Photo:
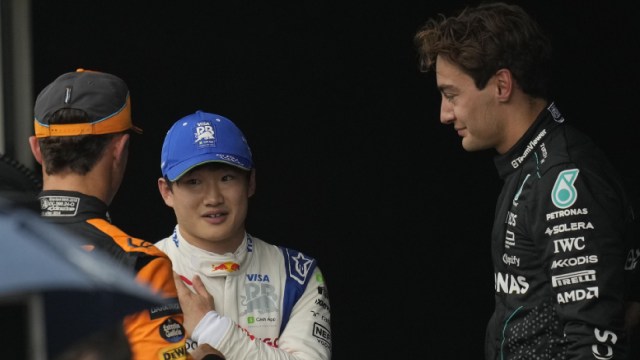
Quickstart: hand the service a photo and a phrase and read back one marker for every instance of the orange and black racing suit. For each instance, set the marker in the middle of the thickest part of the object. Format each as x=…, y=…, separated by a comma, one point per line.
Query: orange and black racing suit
x=155, y=333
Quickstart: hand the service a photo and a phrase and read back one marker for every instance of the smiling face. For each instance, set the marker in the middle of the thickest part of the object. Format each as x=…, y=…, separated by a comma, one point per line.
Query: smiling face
x=473, y=113
x=211, y=203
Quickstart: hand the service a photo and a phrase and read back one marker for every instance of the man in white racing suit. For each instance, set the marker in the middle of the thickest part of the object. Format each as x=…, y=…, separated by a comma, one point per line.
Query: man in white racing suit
x=270, y=302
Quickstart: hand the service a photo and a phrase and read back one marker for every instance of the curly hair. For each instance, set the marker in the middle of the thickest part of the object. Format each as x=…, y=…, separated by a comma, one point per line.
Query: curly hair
x=484, y=39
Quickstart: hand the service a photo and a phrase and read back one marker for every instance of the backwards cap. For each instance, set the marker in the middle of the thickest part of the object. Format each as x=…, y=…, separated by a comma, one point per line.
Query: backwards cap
x=202, y=138
x=104, y=97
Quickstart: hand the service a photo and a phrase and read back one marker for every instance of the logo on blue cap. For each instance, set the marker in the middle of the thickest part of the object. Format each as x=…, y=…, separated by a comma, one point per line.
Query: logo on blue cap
x=202, y=138
x=205, y=134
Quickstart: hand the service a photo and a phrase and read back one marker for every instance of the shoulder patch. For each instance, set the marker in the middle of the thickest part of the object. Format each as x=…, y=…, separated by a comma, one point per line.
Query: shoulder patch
x=299, y=268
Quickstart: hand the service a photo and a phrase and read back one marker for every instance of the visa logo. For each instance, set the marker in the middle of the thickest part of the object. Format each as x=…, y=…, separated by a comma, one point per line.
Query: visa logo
x=258, y=277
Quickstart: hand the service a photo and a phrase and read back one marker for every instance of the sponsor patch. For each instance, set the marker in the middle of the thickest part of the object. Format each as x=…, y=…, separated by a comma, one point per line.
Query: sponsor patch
x=204, y=134
x=173, y=353
x=573, y=278
x=322, y=290
x=564, y=194
x=322, y=334
x=575, y=261
x=511, y=260
x=566, y=212
x=171, y=330
x=558, y=229
x=510, y=284
x=59, y=205
x=259, y=298
x=578, y=295
x=169, y=309
x=324, y=316
x=299, y=266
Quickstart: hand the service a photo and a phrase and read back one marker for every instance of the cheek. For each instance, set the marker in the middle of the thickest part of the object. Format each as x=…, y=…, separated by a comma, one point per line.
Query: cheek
x=188, y=202
x=183, y=201
x=184, y=211
x=471, y=111
x=241, y=204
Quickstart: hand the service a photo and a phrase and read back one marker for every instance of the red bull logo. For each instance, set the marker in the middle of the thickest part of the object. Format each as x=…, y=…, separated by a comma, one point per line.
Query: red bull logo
x=227, y=266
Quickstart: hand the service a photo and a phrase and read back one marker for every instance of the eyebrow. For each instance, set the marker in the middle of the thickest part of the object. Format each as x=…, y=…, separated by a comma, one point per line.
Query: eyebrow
x=444, y=87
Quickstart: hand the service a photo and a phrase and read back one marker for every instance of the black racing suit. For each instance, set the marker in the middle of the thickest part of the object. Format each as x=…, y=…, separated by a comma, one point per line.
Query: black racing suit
x=559, y=247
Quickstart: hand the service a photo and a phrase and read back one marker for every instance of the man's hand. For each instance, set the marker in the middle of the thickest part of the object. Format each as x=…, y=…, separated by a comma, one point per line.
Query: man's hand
x=194, y=305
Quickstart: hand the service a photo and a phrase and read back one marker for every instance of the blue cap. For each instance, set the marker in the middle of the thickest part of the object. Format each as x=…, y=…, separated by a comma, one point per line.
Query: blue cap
x=202, y=138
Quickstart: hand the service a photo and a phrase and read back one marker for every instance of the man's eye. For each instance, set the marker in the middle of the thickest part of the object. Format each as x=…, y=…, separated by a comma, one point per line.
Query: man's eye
x=228, y=178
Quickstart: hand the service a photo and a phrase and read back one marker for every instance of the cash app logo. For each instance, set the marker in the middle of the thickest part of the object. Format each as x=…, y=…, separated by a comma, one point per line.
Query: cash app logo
x=564, y=194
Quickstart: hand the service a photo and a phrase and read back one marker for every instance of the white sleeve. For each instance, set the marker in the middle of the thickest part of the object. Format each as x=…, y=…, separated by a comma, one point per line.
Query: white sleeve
x=211, y=329
x=308, y=331
x=307, y=335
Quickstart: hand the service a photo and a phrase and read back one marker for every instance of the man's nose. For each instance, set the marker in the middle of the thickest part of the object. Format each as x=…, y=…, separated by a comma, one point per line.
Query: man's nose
x=446, y=112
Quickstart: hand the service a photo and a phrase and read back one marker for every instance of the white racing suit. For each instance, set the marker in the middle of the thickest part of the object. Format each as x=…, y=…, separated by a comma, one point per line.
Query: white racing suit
x=271, y=302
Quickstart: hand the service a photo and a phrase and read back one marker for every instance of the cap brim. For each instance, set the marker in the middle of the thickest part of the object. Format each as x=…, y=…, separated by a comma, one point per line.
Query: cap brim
x=179, y=170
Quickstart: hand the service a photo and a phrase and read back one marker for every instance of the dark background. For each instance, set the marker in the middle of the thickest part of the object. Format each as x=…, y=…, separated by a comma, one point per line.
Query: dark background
x=353, y=166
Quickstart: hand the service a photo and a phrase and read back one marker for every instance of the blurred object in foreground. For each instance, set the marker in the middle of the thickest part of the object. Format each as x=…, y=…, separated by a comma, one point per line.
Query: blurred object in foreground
x=53, y=293
x=19, y=184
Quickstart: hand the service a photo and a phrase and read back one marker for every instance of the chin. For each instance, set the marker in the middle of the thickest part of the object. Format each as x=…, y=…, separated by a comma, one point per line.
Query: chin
x=471, y=146
x=468, y=146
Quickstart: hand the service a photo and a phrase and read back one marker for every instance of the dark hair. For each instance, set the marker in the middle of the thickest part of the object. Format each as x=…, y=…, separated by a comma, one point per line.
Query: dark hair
x=76, y=153
x=484, y=39
x=212, y=166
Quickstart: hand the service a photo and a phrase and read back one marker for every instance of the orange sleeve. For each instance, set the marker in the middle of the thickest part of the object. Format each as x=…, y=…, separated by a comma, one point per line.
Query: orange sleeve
x=157, y=333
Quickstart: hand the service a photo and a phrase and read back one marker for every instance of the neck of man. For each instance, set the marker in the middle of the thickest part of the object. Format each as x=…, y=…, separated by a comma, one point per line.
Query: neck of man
x=98, y=182
x=520, y=115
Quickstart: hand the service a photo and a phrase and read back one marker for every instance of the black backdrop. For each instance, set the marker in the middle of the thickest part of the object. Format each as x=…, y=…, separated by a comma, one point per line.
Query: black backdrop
x=353, y=166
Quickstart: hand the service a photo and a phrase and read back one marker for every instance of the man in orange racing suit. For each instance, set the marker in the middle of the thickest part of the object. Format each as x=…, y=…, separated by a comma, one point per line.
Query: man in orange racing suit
x=82, y=132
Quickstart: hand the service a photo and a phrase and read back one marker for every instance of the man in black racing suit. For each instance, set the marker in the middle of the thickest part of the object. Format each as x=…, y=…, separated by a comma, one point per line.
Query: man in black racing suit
x=561, y=239
x=559, y=246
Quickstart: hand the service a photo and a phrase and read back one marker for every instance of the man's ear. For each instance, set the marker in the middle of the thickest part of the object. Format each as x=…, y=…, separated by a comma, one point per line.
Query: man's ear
x=35, y=149
x=504, y=84
x=121, y=147
x=252, y=182
x=165, y=191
